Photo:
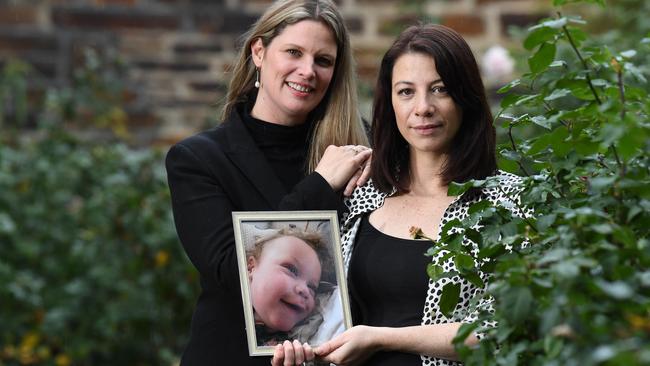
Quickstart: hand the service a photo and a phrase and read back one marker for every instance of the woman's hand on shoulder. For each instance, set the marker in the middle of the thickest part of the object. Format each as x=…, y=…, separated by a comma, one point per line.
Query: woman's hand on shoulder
x=351, y=347
x=345, y=167
x=291, y=353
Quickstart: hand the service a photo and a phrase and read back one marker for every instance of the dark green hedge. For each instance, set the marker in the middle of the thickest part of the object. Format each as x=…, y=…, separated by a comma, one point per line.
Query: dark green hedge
x=90, y=264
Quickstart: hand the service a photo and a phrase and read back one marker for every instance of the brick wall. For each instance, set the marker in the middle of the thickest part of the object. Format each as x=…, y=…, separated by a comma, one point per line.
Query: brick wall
x=177, y=51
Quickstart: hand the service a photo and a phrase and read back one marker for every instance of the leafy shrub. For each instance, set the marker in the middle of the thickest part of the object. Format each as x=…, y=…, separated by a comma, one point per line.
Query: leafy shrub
x=90, y=265
x=570, y=284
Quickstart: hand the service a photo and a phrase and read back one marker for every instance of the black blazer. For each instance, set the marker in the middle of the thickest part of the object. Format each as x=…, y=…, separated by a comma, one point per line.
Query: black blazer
x=210, y=175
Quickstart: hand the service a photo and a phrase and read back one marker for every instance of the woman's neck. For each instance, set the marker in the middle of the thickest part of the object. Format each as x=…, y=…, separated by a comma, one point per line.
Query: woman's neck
x=426, y=174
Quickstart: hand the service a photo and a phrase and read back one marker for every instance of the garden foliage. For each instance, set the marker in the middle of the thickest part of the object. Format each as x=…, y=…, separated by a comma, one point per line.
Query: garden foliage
x=569, y=284
x=91, y=272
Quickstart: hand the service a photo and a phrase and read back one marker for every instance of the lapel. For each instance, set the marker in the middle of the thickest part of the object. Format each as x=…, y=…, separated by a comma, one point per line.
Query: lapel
x=247, y=157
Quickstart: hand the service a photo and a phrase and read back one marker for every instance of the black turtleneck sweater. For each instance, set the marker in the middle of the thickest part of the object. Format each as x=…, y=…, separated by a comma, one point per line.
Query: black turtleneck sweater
x=285, y=147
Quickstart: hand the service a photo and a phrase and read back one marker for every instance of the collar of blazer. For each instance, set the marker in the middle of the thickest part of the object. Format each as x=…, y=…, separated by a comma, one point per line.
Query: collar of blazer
x=240, y=148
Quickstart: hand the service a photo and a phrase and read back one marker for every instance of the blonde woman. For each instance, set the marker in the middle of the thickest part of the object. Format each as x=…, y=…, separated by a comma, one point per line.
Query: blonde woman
x=291, y=139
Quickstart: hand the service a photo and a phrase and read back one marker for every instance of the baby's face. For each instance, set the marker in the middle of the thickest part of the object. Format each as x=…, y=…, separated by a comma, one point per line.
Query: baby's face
x=283, y=282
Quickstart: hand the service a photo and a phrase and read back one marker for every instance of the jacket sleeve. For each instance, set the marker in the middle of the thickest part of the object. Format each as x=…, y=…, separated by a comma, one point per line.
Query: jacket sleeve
x=202, y=214
x=313, y=193
x=203, y=209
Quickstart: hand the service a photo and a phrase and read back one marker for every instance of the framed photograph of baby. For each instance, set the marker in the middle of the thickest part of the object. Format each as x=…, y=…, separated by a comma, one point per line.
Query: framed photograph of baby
x=292, y=280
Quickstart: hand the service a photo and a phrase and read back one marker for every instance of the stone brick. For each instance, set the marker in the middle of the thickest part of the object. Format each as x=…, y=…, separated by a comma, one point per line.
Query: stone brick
x=368, y=59
x=171, y=66
x=237, y=22
x=141, y=119
x=208, y=86
x=354, y=24
x=208, y=2
x=464, y=24
x=367, y=71
x=135, y=44
x=113, y=18
x=17, y=14
x=43, y=66
x=519, y=20
x=81, y=46
x=372, y=2
x=19, y=41
x=196, y=48
x=393, y=26
x=115, y=2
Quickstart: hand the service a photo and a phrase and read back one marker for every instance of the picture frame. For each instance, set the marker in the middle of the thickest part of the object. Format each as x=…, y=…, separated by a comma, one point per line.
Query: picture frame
x=292, y=279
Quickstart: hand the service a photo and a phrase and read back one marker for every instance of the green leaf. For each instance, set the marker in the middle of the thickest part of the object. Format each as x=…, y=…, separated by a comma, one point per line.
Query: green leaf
x=539, y=144
x=558, y=63
x=541, y=121
x=7, y=225
x=544, y=222
x=577, y=35
x=518, y=301
x=478, y=206
x=454, y=242
x=445, y=234
x=464, y=331
x=435, y=271
x=538, y=36
x=631, y=143
x=617, y=289
x=509, y=228
x=457, y=189
x=629, y=53
x=557, y=140
x=554, y=23
x=552, y=346
x=557, y=94
x=474, y=236
x=509, y=86
x=599, y=184
x=602, y=228
x=449, y=298
x=565, y=269
x=474, y=279
x=542, y=58
x=508, y=165
x=510, y=100
x=527, y=99
x=492, y=251
x=463, y=262
x=625, y=236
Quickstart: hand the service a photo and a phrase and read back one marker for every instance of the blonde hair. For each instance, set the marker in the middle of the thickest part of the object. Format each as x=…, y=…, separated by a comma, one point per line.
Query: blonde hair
x=336, y=118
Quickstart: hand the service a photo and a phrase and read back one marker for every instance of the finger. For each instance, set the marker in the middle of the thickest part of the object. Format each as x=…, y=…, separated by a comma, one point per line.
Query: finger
x=288, y=353
x=362, y=156
x=298, y=355
x=327, y=347
x=309, y=352
x=278, y=356
x=365, y=174
x=352, y=183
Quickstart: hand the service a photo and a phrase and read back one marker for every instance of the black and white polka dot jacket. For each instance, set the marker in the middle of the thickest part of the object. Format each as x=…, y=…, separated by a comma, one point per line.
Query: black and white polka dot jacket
x=367, y=198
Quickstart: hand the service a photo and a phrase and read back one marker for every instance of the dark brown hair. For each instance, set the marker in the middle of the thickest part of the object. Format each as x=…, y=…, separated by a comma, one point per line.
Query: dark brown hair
x=472, y=151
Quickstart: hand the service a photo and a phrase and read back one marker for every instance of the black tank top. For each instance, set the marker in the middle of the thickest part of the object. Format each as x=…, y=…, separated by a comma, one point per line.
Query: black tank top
x=388, y=285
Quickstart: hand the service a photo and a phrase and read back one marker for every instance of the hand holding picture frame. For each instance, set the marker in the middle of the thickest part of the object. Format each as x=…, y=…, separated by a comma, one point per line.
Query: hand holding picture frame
x=292, y=280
